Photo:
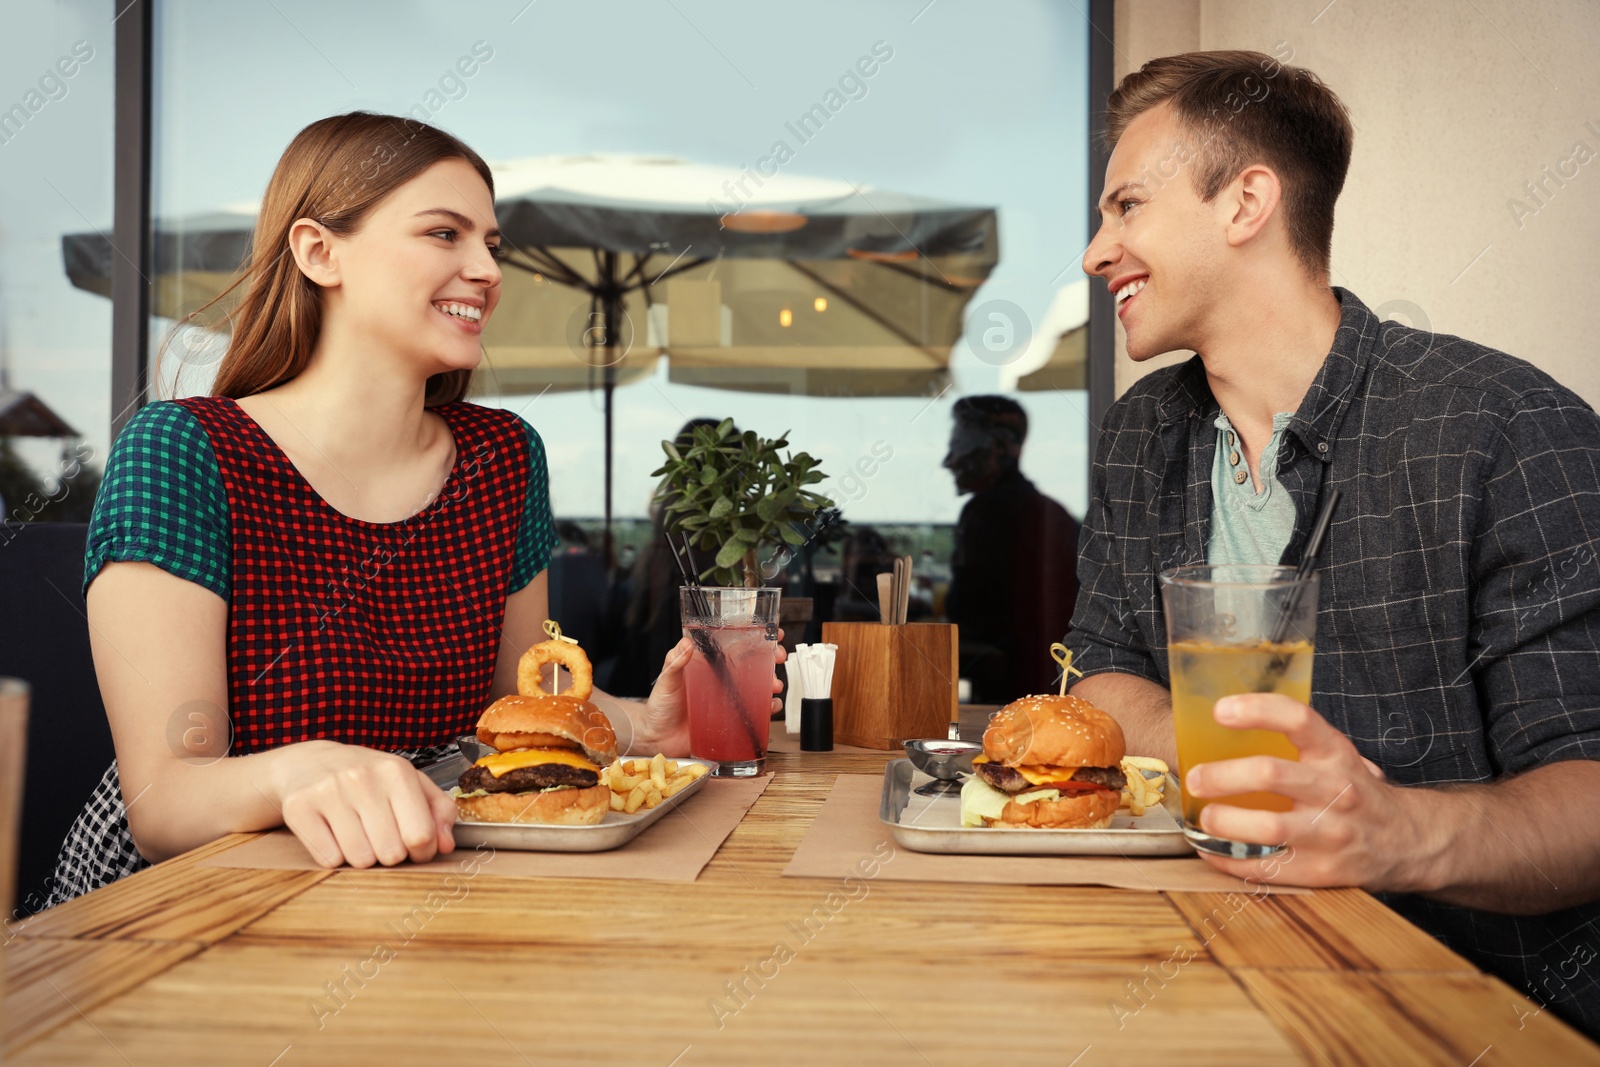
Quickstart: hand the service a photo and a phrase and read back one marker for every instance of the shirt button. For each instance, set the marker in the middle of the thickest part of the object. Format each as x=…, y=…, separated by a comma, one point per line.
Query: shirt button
x=1322, y=446
x=1238, y=477
x=1230, y=438
x=1233, y=458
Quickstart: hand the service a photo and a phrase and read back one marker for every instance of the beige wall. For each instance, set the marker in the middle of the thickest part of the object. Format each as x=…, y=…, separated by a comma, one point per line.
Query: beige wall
x=1456, y=107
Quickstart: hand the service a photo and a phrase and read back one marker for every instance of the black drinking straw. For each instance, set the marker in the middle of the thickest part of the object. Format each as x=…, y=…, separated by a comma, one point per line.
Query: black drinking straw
x=702, y=640
x=1308, y=566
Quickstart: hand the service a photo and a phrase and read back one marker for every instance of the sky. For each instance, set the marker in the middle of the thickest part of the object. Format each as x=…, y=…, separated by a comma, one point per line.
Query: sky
x=973, y=108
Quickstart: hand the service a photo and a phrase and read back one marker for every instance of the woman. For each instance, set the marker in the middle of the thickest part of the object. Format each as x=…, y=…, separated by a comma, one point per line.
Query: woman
x=328, y=569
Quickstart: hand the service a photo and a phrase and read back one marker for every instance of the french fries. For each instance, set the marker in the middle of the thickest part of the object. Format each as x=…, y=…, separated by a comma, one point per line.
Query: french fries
x=644, y=783
x=1140, y=792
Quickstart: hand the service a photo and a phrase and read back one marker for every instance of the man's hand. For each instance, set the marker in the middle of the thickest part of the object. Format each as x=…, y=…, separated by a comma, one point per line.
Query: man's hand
x=1348, y=826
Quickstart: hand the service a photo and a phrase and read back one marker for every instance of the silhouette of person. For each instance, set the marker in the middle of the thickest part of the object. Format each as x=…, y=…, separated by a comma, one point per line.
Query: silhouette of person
x=863, y=555
x=1013, y=572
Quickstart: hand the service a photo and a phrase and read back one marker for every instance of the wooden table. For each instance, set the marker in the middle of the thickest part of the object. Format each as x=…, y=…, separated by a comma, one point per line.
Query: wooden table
x=185, y=963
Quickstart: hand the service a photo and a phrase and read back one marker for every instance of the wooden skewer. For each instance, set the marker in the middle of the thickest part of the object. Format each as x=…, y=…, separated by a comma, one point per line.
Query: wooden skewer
x=905, y=590
x=894, y=595
x=552, y=630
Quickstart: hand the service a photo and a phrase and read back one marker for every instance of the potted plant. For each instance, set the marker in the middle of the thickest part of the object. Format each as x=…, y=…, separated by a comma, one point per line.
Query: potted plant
x=736, y=493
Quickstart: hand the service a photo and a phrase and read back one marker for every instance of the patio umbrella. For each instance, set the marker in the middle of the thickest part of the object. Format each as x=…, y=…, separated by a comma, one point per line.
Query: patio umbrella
x=1067, y=368
x=22, y=414
x=1057, y=356
x=743, y=280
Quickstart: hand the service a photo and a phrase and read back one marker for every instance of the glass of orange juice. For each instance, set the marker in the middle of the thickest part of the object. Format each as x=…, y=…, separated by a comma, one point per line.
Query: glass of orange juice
x=1234, y=628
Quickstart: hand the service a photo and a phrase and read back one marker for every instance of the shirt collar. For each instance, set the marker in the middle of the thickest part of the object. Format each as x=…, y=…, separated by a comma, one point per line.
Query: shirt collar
x=1187, y=394
x=1322, y=410
x=1335, y=386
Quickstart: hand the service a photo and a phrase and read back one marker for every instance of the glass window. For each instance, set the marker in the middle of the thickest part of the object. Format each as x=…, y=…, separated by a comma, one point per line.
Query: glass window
x=858, y=350
x=55, y=178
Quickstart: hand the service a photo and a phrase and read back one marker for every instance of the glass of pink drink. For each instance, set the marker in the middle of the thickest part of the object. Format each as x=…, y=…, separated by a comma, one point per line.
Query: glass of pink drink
x=729, y=678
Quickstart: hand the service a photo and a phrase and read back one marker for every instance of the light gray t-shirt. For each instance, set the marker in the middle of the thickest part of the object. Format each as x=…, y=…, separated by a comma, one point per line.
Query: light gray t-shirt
x=1247, y=526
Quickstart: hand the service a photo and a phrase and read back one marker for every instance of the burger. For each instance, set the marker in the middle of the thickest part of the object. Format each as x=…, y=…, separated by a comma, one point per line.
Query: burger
x=1050, y=762
x=546, y=764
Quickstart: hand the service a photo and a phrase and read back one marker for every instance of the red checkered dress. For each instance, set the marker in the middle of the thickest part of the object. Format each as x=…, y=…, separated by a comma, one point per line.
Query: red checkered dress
x=377, y=634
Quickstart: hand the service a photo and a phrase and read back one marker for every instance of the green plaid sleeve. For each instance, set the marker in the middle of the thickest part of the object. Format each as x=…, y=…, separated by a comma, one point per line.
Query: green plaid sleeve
x=162, y=501
x=537, y=537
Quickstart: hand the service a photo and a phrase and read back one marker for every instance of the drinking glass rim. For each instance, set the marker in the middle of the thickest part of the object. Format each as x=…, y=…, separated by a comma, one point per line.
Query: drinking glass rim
x=760, y=603
x=1234, y=576
x=736, y=589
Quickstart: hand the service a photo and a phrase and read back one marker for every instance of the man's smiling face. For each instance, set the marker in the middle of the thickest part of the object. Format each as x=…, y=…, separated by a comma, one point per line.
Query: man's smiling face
x=1160, y=248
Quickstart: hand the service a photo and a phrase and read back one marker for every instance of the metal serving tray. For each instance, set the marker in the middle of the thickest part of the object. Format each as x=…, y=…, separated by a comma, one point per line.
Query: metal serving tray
x=933, y=824
x=617, y=829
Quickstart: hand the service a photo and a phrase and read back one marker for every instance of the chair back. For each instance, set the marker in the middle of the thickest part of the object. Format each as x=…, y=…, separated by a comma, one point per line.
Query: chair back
x=44, y=639
x=13, y=755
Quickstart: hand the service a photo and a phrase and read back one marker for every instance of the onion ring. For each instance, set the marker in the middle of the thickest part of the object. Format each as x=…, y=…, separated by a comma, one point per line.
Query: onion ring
x=530, y=669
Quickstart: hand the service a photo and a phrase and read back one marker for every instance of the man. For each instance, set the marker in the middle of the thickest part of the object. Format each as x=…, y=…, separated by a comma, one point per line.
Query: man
x=1013, y=579
x=1458, y=644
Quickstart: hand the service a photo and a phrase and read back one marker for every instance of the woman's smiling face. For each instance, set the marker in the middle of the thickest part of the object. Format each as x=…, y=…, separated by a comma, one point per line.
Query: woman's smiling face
x=421, y=277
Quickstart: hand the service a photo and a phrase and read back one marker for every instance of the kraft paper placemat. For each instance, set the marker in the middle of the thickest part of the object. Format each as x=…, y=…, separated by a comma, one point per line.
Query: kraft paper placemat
x=847, y=828
x=675, y=849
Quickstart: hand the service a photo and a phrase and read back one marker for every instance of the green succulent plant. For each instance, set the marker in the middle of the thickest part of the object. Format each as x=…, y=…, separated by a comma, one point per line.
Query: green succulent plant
x=733, y=493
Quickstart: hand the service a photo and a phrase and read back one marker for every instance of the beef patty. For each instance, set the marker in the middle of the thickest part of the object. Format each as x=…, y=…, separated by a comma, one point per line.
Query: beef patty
x=1010, y=780
x=524, y=779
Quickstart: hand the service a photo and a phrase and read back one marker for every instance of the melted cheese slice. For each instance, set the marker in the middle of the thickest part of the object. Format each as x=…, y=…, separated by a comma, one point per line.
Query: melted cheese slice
x=1043, y=775
x=1035, y=774
x=503, y=763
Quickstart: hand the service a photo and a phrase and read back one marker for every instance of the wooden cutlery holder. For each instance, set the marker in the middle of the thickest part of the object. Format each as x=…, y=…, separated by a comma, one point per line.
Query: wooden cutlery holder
x=892, y=683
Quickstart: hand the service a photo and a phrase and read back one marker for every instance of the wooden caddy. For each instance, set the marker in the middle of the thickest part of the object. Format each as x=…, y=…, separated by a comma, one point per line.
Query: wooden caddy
x=892, y=683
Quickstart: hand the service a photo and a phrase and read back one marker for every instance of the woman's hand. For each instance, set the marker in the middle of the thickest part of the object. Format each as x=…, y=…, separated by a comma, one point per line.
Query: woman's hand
x=349, y=804
x=664, y=725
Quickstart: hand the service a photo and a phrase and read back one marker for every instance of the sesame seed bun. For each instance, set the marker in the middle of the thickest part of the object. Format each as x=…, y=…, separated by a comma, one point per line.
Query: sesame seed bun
x=555, y=807
x=1086, y=811
x=1054, y=731
x=515, y=721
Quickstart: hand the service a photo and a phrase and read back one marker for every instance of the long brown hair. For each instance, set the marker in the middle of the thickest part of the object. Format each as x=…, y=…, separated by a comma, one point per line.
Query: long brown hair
x=1247, y=107
x=334, y=171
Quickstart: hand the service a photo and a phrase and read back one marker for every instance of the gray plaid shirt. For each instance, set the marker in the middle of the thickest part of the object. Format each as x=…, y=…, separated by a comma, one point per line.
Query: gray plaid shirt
x=1458, y=630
